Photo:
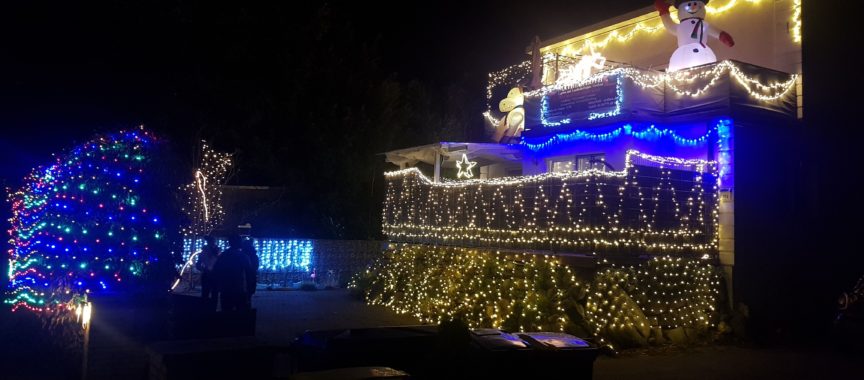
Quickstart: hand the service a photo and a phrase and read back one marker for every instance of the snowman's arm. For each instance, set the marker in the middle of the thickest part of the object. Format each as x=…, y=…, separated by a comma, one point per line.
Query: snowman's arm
x=671, y=26
x=663, y=9
x=712, y=31
x=715, y=33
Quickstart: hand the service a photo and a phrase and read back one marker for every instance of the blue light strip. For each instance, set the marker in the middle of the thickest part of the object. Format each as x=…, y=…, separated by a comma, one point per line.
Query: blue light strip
x=651, y=133
x=274, y=255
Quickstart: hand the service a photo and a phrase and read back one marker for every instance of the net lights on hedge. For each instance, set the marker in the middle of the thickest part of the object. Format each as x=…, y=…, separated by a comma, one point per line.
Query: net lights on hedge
x=665, y=292
x=517, y=292
x=524, y=292
x=82, y=224
x=594, y=210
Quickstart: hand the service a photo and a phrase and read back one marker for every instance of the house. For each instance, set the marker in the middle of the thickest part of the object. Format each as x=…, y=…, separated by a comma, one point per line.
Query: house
x=596, y=153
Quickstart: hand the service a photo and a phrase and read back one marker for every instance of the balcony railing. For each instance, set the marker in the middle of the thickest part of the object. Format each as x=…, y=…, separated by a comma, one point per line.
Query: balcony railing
x=640, y=210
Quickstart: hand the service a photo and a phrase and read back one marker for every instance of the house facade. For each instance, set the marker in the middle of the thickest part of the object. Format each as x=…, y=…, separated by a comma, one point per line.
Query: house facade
x=596, y=152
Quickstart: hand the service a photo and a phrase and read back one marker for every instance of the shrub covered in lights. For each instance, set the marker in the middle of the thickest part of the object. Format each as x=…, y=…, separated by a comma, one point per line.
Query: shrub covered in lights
x=632, y=305
x=88, y=222
x=484, y=289
x=621, y=307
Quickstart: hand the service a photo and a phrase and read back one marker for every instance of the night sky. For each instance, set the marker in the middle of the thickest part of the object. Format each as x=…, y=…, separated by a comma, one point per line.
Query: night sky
x=229, y=73
x=69, y=70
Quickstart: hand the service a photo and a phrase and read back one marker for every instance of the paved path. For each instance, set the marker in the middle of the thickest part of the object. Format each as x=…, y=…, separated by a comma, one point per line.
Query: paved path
x=724, y=362
x=284, y=314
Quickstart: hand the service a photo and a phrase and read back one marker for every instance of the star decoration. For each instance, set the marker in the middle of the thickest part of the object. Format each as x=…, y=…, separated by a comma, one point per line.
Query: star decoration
x=465, y=167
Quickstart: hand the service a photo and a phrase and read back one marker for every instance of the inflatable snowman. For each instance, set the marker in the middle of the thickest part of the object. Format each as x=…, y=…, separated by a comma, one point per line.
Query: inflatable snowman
x=692, y=32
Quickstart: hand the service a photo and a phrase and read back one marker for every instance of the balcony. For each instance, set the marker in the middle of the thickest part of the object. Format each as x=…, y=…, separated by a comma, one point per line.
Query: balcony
x=648, y=208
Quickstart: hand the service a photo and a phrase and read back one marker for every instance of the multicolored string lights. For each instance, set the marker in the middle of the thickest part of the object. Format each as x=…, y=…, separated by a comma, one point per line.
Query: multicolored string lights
x=84, y=223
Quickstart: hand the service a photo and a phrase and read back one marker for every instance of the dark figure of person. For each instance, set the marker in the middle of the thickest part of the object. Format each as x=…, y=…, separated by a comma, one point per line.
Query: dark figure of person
x=231, y=271
x=252, y=276
x=206, y=261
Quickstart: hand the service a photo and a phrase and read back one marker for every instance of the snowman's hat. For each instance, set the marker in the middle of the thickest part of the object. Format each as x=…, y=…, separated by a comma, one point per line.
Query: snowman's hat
x=679, y=2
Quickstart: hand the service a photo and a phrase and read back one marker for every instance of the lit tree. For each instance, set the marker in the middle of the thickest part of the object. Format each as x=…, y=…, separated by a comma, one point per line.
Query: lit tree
x=86, y=223
x=203, y=205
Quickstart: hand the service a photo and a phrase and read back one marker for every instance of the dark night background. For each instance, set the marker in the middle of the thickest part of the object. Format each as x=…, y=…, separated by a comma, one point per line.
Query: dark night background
x=307, y=94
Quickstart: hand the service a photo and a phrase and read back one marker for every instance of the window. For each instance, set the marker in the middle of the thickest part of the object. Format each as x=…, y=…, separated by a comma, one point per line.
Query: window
x=593, y=161
x=561, y=166
x=578, y=163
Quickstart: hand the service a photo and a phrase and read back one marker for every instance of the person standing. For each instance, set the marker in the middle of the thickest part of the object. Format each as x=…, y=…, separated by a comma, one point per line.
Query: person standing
x=252, y=276
x=232, y=269
x=206, y=261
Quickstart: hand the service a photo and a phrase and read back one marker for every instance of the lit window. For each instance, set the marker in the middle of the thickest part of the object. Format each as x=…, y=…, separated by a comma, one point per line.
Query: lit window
x=593, y=161
x=562, y=166
x=578, y=163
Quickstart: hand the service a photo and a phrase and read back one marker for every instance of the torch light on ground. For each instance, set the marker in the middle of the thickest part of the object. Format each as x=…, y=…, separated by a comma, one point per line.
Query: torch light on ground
x=84, y=312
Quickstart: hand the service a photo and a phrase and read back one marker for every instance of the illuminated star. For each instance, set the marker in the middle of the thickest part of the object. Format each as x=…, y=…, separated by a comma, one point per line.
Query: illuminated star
x=465, y=167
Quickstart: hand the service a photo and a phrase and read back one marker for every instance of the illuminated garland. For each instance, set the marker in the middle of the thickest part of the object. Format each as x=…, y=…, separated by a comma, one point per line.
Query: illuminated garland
x=83, y=223
x=611, y=215
x=203, y=205
x=676, y=80
x=680, y=82
x=650, y=133
x=796, y=21
x=525, y=292
x=507, y=76
x=649, y=26
x=664, y=292
x=485, y=289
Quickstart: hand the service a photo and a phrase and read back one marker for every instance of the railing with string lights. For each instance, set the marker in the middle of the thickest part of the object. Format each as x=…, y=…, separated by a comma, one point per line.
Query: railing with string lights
x=656, y=205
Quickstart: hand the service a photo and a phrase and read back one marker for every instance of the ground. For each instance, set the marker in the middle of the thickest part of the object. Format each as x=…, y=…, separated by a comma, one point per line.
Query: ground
x=725, y=362
x=284, y=314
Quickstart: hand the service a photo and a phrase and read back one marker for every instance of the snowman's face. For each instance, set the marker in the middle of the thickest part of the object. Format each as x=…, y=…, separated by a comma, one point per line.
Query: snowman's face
x=691, y=9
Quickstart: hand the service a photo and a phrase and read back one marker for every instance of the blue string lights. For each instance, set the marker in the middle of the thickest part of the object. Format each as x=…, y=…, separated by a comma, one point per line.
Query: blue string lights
x=275, y=255
x=82, y=224
x=651, y=133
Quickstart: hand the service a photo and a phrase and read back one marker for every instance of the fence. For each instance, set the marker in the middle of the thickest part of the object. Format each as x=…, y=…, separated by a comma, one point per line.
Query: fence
x=643, y=209
x=283, y=262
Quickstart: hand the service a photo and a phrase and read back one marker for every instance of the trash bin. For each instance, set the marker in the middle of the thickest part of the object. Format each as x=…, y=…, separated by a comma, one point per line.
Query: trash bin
x=558, y=354
x=403, y=348
x=531, y=355
x=353, y=373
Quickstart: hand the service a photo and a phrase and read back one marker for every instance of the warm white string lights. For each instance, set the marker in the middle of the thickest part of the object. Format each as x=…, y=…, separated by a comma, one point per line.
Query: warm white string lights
x=665, y=292
x=612, y=213
x=517, y=292
x=692, y=82
x=204, y=194
x=465, y=167
x=529, y=292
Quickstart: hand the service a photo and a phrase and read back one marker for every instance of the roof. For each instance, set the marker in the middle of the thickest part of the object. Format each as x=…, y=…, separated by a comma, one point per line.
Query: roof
x=452, y=151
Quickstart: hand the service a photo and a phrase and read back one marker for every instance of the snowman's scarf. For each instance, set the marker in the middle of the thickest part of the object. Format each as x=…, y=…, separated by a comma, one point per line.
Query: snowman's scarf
x=697, y=29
